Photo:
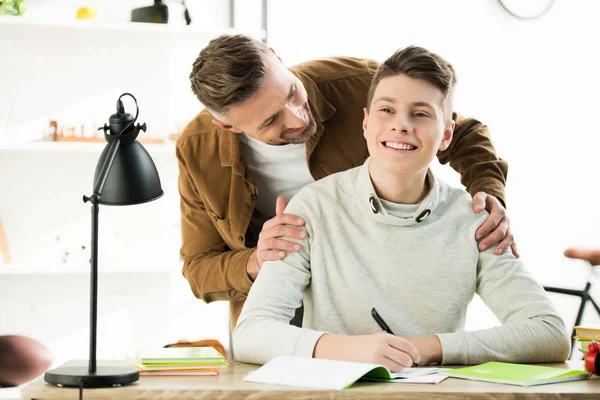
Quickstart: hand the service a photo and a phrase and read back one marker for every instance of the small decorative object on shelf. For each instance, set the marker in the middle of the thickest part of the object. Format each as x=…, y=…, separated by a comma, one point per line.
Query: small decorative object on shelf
x=12, y=7
x=87, y=12
x=83, y=134
x=4, y=251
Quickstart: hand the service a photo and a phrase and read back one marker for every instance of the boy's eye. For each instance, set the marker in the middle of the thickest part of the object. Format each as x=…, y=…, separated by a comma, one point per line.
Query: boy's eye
x=420, y=114
x=386, y=110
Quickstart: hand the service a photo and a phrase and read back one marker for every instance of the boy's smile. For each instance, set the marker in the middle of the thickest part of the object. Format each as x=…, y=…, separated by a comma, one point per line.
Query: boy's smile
x=399, y=146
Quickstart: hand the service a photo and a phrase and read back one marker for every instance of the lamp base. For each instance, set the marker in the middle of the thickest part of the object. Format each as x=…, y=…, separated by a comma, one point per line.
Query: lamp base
x=105, y=376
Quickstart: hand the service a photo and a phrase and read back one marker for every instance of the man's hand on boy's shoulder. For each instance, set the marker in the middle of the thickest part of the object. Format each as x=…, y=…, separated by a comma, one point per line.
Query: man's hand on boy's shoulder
x=496, y=228
x=271, y=240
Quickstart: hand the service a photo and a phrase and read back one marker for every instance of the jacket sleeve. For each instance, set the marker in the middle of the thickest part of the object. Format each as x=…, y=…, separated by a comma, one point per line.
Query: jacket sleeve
x=472, y=154
x=531, y=330
x=213, y=270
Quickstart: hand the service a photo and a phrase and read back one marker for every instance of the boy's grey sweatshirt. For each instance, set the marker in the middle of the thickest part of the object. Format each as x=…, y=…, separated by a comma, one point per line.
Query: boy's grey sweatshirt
x=419, y=265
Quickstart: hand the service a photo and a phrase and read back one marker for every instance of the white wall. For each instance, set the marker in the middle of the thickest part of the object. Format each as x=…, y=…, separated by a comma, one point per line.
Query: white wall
x=533, y=83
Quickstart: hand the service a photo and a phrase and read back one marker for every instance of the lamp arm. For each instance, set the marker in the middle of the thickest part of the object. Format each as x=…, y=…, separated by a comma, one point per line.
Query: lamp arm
x=113, y=147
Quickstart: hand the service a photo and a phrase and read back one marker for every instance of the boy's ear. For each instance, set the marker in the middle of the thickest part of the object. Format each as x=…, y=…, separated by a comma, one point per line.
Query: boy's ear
x=276, y=55
x=365, y=119
x=225, y=126
x=447, y=136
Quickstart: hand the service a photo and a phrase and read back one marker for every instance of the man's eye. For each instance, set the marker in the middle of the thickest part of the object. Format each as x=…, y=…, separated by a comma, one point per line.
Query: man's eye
x=386, y=110
x=420, y=115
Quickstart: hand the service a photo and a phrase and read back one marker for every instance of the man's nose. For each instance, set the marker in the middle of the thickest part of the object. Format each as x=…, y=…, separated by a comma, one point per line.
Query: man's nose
x=294, y=117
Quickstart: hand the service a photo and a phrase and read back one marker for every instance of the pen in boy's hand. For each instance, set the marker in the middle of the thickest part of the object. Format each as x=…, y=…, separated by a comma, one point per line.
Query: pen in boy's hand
x=384, y=326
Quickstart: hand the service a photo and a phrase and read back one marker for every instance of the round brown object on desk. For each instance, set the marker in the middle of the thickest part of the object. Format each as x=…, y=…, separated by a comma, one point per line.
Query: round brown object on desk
x=22, y=359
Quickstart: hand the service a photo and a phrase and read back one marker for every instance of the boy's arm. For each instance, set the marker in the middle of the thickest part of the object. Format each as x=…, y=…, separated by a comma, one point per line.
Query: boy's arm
x=263, y=331
x=472, y=154
x=531, y=329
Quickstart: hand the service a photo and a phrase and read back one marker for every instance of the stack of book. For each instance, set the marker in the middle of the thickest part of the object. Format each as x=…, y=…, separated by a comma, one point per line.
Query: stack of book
x=585, y=336
x=181, y=361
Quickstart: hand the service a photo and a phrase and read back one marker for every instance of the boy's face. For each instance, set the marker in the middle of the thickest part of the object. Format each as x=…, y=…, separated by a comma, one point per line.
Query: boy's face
x=405, y=125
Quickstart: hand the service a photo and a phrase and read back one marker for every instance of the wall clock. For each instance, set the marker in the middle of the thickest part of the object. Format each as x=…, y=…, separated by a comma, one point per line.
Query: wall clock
x=526, y=9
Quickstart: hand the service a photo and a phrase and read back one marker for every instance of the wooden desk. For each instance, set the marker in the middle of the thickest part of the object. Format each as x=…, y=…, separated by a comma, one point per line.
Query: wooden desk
x=229, y=385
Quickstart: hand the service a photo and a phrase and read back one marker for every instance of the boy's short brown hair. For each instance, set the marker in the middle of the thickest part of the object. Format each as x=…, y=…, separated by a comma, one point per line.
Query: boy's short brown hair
x=228, y=71
x=418, y=63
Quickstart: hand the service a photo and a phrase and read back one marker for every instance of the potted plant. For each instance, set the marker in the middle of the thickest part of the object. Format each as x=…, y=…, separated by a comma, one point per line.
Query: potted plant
x=12, y=7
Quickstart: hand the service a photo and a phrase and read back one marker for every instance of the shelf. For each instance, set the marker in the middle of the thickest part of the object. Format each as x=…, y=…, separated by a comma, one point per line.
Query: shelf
x=79, y=147
x=16, y=269
x=99, y=25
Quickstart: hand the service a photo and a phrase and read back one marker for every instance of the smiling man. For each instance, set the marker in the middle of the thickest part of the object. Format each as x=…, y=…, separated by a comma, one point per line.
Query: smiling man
x=268, y=131
x=390, y=235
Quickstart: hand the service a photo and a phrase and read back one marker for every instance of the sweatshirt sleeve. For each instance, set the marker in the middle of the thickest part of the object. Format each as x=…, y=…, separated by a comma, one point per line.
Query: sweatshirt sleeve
x=263, y=331
x=531, y=330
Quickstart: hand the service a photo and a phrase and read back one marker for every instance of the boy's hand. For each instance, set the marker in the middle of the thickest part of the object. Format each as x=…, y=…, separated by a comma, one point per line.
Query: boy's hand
x=382, y=348
x=496, y=228
x=270, y=246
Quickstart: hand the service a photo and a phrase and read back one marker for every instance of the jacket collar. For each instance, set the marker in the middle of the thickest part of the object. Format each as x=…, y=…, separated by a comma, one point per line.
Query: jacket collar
x=371, y=206
x=229, y=142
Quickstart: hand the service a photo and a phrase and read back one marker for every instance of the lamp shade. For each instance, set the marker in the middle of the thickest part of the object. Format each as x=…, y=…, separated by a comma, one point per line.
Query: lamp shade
x=133, y=178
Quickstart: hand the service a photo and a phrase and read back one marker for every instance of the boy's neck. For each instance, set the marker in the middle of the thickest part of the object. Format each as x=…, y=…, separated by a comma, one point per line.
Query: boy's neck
x=399, y=188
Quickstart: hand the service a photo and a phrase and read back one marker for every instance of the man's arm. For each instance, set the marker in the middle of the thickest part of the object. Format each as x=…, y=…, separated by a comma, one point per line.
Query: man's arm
x=472, y=154
x=531, y=330
x=213, y=270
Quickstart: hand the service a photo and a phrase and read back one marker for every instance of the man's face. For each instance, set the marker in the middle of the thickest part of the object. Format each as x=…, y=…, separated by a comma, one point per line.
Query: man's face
x=405, y=125
x=278, y=113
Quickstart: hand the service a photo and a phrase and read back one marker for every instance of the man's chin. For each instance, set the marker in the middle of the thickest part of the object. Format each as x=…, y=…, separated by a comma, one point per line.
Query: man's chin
x=301, y=137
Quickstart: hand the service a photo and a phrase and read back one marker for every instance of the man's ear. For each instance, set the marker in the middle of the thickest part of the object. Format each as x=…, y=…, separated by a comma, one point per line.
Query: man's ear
x=447, y=137
x=365, y=119
x=225, y=126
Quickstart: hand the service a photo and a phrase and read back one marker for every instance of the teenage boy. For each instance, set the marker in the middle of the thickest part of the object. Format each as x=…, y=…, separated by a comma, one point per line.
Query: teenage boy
x=390, y=235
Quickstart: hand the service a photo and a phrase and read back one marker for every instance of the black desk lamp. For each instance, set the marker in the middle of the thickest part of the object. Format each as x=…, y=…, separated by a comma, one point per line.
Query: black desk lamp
x=125, y=175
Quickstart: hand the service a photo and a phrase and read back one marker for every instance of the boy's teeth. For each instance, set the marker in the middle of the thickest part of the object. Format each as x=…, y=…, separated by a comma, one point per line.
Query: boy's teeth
x=399, y=146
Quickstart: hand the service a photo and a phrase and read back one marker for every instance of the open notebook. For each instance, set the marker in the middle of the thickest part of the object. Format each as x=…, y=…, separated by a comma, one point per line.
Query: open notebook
x=335, y=375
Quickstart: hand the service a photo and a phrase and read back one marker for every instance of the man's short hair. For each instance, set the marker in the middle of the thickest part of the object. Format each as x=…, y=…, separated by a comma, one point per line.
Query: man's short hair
x=228, y=71
x=417, y=63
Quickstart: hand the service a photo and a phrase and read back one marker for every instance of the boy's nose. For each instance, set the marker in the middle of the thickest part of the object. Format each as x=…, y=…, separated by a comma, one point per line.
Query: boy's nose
x=401, y=124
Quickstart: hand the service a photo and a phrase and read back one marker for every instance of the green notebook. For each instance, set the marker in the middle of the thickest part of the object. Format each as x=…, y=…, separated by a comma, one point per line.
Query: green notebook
x=179, y=355
x=516, y=374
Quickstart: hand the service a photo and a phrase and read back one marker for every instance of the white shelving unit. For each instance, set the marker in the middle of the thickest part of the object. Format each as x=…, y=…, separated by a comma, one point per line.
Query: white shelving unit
x=133, y=27
x=78, y=147
x=51, y=269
